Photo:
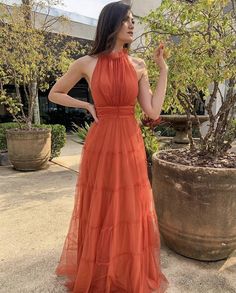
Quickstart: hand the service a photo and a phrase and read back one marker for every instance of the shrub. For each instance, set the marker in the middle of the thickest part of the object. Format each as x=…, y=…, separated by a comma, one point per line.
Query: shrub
x=3, y=128
x=58, y=138
x=150, y=142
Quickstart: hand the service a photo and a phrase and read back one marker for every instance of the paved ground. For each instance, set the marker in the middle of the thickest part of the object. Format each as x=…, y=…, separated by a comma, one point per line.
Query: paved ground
x=35, y=213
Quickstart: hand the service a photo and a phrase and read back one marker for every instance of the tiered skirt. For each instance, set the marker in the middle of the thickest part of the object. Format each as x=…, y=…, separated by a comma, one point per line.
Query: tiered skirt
x=113, y=241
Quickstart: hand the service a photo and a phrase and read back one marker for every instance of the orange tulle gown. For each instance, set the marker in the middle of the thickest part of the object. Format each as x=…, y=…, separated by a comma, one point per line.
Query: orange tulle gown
x=113, y=241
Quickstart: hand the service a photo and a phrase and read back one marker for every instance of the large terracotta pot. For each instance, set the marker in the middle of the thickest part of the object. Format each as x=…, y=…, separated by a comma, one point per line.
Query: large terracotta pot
x=196, y=209
x=29, y=150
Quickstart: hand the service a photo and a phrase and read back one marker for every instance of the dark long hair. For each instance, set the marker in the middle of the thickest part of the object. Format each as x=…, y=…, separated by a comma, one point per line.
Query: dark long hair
x=109, y=24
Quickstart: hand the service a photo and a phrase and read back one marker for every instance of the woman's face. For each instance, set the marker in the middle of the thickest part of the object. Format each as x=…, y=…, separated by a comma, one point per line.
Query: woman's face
x=126, y=32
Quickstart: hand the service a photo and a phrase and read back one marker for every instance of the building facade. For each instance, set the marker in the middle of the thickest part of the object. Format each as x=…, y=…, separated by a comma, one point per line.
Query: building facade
x=82, y=28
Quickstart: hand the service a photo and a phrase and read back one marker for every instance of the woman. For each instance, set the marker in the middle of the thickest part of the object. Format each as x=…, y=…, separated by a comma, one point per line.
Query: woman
x=113, y=242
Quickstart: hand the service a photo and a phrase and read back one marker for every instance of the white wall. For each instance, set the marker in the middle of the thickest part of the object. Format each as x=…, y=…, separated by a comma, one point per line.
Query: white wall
x=72, y=28
x=77, y=26
x=141, y=8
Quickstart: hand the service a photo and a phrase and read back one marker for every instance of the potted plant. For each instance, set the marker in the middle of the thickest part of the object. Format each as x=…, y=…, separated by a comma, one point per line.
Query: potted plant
x=195, y=187
x=58, y=140
x=81, y=131
x=30, y=58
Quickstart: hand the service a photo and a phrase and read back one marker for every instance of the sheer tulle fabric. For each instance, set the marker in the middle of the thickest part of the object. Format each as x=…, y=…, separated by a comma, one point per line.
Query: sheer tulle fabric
x=113, y=242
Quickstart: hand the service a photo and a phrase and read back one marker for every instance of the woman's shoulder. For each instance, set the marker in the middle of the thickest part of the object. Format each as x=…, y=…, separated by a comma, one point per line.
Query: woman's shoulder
x=139, y=65
x=137, y=59
x=83, y=63
x=85, y=59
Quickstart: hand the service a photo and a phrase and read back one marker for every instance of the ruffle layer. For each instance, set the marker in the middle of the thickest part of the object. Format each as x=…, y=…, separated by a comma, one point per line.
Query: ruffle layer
x=122, y=256
x=114, y=155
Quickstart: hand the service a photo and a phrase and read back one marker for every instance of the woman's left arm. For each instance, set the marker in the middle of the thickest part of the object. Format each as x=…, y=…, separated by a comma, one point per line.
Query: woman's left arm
x=149, y=102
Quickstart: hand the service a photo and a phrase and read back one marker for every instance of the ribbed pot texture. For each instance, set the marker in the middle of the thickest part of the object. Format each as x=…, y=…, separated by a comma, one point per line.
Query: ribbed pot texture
x=29, y=150
x=196, y=209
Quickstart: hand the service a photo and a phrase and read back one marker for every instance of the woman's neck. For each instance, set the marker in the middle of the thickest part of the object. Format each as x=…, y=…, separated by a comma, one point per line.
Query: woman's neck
x=118, y=47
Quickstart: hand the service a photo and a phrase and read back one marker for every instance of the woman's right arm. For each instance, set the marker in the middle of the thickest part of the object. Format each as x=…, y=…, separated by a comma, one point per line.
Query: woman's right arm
x=58, y=93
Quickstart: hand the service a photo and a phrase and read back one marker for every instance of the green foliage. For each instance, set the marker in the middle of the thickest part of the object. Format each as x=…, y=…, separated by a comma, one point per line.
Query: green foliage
x=58, y=136
x=58, y=139
x=150, y=142
x=138, y=112
x=149, y=137
x=81, y=131
x=12, y=104
x=3, y=128
x=201, y=41
x=31, y=55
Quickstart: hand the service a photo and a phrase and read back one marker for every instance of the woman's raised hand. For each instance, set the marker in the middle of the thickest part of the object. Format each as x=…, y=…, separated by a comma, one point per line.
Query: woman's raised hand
x=160, y=56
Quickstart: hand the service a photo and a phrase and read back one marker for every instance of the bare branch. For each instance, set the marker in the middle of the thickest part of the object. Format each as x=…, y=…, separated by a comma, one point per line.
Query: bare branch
x=210, y=113
x=221, y=95
x=51, y=22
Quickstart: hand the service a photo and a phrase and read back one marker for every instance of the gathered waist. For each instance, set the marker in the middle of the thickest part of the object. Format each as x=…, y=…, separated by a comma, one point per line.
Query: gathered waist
x=115, y=111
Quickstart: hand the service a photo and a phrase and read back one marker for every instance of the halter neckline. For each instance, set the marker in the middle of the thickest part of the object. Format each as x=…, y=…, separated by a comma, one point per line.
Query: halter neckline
x=117, y=54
